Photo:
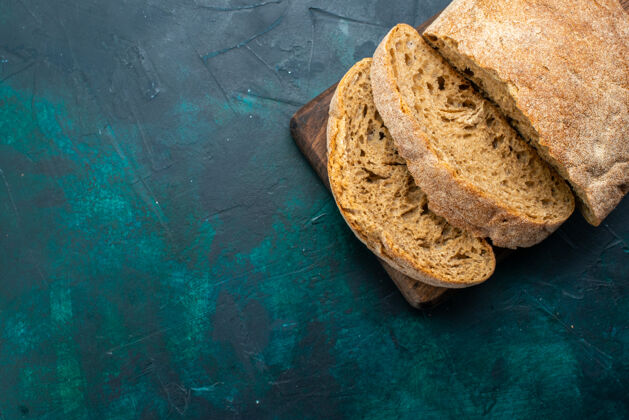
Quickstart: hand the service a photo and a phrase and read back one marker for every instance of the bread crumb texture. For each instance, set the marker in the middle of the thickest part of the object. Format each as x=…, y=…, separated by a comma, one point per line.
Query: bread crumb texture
x=471, y=143
x=381, y=202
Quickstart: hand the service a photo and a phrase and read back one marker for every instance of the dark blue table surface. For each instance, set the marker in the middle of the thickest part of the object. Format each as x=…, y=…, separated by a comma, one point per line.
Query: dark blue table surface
x=165, y=250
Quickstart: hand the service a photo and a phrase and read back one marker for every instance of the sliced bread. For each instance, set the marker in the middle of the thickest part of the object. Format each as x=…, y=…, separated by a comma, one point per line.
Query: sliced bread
x=475, y=168
x=560, y=70
x=380, y=202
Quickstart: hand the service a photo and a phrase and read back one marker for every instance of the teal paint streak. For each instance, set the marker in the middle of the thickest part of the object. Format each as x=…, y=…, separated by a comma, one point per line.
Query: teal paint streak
x=194, y=125
x=124, y=406
x=17, y=332
x=24, y=333
x=70, y=383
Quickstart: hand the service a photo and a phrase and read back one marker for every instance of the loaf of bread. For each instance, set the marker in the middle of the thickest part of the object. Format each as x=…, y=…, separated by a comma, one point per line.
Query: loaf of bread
x=380, y=202
x=476, y=170
x=560, y=70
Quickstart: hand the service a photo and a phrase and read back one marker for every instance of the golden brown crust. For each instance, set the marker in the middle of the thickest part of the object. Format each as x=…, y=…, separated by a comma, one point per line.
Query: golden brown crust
x=566, y=66
x=386, y=248
x=459, y=202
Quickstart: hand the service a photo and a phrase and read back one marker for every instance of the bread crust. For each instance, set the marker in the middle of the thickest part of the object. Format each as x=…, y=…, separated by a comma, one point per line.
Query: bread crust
x=386, y=249
x=566, y=66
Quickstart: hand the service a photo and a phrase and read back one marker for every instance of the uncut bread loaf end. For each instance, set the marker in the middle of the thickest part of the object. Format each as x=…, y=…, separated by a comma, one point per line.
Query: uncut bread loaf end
x=560, y=70
x=477, y=172
x=380, y=202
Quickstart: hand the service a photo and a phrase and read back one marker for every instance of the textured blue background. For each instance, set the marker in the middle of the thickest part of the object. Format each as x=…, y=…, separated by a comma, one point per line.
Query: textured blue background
x=165, y=251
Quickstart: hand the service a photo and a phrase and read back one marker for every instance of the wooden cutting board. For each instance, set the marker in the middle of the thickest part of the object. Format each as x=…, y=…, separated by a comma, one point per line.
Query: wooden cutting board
x=308, y=128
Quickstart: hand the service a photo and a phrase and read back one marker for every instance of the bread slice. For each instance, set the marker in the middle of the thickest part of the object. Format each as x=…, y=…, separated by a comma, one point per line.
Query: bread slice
x=560, y=70
x=380, y=202
x=476, y=170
